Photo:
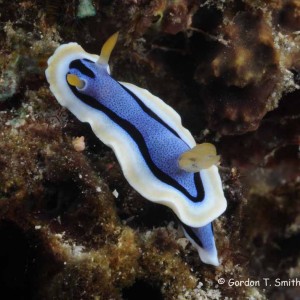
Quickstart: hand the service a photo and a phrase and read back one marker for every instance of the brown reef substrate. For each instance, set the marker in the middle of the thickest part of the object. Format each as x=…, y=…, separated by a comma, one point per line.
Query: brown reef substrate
x=232, y=70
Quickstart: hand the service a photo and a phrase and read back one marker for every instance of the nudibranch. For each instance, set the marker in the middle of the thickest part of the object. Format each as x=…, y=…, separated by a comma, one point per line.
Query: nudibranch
x=158, y=156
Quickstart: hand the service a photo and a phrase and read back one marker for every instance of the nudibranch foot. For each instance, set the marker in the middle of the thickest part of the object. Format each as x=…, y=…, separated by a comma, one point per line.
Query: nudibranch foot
x=202, y=238
x=201, y=157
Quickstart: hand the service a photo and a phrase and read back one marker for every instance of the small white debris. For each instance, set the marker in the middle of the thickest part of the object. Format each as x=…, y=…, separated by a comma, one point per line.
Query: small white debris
x=98, y=189
x=183, y=242
x=115, y=193
x=79, y=144
x=80, y=176
x=37, y=227
x=77, y=250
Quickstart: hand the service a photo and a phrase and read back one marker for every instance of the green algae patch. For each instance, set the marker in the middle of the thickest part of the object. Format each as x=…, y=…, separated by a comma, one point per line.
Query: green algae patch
x=85, y=9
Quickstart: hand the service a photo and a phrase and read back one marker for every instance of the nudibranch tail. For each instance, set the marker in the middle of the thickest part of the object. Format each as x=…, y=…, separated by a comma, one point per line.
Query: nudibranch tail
x=202, y=238
x=107, y=48
x=201, y=157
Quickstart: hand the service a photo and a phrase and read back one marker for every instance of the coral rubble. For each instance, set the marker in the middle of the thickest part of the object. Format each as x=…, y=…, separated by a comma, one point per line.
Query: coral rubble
x=70, y=225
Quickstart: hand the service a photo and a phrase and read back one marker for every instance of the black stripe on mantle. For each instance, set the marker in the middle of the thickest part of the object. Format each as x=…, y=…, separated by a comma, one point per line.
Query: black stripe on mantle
x=140, y=142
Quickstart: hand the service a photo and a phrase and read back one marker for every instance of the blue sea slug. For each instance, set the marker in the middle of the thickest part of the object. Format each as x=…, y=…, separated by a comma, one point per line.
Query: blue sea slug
x=158, y=156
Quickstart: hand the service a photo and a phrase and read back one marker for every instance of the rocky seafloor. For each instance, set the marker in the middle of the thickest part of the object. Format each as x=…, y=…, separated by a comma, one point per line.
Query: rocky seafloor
x=70, y=225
